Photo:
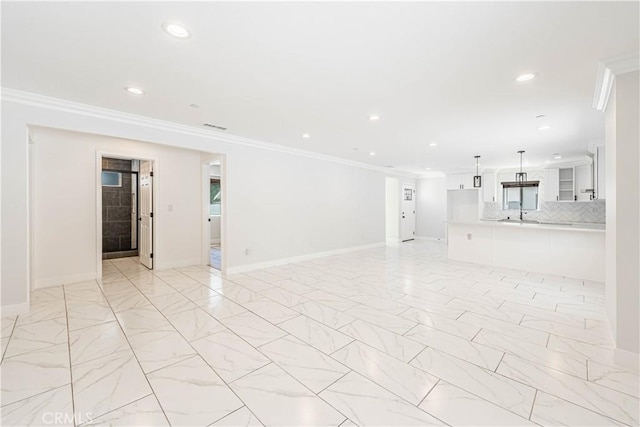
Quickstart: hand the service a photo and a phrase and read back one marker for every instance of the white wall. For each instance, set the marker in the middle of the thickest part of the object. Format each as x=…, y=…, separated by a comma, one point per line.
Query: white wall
x=64, y=203
x=392, y=210
x=431, y=207
x=280, y=204
x=623, y=207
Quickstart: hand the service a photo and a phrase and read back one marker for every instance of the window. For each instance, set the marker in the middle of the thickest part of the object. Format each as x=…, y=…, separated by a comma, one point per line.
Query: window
x=511, y=197
x=111, y=179
x=214, y=197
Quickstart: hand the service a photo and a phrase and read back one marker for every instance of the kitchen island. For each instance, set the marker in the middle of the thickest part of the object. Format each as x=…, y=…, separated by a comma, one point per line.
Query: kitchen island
x=570, y=250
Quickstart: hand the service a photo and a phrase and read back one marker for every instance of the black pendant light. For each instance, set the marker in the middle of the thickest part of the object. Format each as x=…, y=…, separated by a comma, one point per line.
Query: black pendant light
x=477, y=180
x=521, y=177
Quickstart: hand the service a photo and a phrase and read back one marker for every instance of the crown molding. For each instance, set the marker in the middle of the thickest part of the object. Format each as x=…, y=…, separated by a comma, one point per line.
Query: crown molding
x=63, y=105
x=608, y=69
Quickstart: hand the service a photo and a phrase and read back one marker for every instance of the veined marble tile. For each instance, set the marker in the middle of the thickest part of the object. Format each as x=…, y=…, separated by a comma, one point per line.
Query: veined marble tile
x=43, y=311
x=195, y=324
x=550, y=411
x=316, y=334
x=96, y=341
x=213, y=282
x=603, y=400
x=3, y=347
x=293, y=286
x=144, y=412
x=88, y=315
x=172, y=303
x=200, y=293
x=602, y=338
x=539, y=313
x=270, y=310
x=534, y=353
x=253, y=284
x=155, y=289
x=240, y=418
x=35, y=372
x=410, y=383
x=43, y=295
x=278, y=399
x=78, y=297
x=311, y=367
x=590, y=311
x=334, y=301
x=41, y=409
x=616, y=378
x=391, y=343
x=461, y=408
x=239, y=294
x=220, y=307
x=606, y=356
x=117, y=287
x=454, y=327
x=504, y=392
x=191, y=393
x=393, y=323
x=127, y=300
x=7, y=325
x=324, y=314
x=377, y=303
x=473, y=297
x=142, y=319
x=108, y=383
x=506, y=328
x=185, y=285
x=368, y=404
x=157, y=349
x=255, y=330
x=35, y=336
x=284, y=297
x=505, y=315
x=229, y=355
x=478, y=354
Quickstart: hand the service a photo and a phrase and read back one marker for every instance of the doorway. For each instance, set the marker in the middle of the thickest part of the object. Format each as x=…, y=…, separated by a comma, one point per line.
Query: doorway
x=408, y=213
x=126, y=193
x=215, y=215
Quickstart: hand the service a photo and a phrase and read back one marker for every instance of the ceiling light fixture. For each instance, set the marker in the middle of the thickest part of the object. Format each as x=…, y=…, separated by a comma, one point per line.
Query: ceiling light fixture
x=372, y=153
x=545, y=127
x=525, y=77
x=557, y=156
x=176, y=30
x=194, y=106
x=134, y=90
x=306, y=135
x=433, y=144
x=374, y=117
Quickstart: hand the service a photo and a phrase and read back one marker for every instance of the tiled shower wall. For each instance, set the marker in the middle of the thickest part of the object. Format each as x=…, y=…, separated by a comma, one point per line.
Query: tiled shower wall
x=593, y=211
x=116, y=209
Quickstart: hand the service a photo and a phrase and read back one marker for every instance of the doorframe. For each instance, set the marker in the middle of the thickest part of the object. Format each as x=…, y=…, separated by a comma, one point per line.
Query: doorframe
x=206, y=235
x=154, y=203
x=404, y=185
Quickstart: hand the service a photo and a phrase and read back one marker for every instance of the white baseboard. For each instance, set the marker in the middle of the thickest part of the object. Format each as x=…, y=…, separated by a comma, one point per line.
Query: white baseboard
x=282, y=261
x=14, y=309
x=627, y=359
x=62, y=280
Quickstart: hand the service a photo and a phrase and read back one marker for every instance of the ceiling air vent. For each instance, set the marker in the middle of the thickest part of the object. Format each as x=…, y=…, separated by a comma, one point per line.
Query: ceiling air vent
x=209, y=125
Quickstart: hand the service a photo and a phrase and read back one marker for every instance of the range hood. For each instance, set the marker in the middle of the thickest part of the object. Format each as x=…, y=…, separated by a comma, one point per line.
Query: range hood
x=521, y=178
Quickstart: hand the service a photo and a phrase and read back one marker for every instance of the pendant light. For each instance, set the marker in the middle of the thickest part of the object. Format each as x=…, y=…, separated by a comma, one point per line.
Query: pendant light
x=521, y=177
x=477, y=180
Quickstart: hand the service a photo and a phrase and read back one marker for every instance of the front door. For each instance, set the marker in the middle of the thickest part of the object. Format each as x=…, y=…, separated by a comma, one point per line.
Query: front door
x=145, y=245
x=408, y=216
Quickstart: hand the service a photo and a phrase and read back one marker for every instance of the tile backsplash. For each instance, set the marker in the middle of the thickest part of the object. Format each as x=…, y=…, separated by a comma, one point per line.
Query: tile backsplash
x=593, y=212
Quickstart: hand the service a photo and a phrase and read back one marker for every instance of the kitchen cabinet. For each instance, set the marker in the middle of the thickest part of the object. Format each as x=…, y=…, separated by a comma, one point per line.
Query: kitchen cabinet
x=489, y=187
x=460, y=181
x=599, y=178
x=569, y=184
x=583, y=183
x=552, y=185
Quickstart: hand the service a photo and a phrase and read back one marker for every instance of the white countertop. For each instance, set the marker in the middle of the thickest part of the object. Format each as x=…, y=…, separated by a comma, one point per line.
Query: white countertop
x=588, y=227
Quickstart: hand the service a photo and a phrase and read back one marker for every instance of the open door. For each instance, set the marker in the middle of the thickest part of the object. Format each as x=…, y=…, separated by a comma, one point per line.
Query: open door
x=145, y=209
x=408, y=217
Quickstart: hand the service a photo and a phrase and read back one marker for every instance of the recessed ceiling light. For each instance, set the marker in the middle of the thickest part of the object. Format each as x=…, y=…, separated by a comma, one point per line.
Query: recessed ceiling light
x=433, y=144
x=525, y=77
x=134, y=90
x=374, y=117
x=545, y=127
x=372, y=153
x=557, y=156
x=194, y=106
x=428, y=169
x=176, y=30
x=306, y=135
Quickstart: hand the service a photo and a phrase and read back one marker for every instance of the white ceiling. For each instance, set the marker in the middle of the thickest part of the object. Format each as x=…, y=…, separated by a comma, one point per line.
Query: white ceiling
x=435, y=71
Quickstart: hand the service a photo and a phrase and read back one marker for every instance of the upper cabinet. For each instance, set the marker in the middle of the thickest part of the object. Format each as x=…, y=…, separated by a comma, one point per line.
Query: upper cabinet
x=489, y=187
x=460, y=181
x=569, y=184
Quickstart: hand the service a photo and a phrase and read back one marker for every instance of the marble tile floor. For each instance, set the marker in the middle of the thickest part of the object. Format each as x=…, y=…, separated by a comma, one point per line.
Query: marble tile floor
x=391, y=336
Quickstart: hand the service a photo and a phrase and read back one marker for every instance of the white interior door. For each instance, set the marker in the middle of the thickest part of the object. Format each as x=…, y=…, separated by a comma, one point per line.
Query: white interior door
x=145, y=245
x=408, y=213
